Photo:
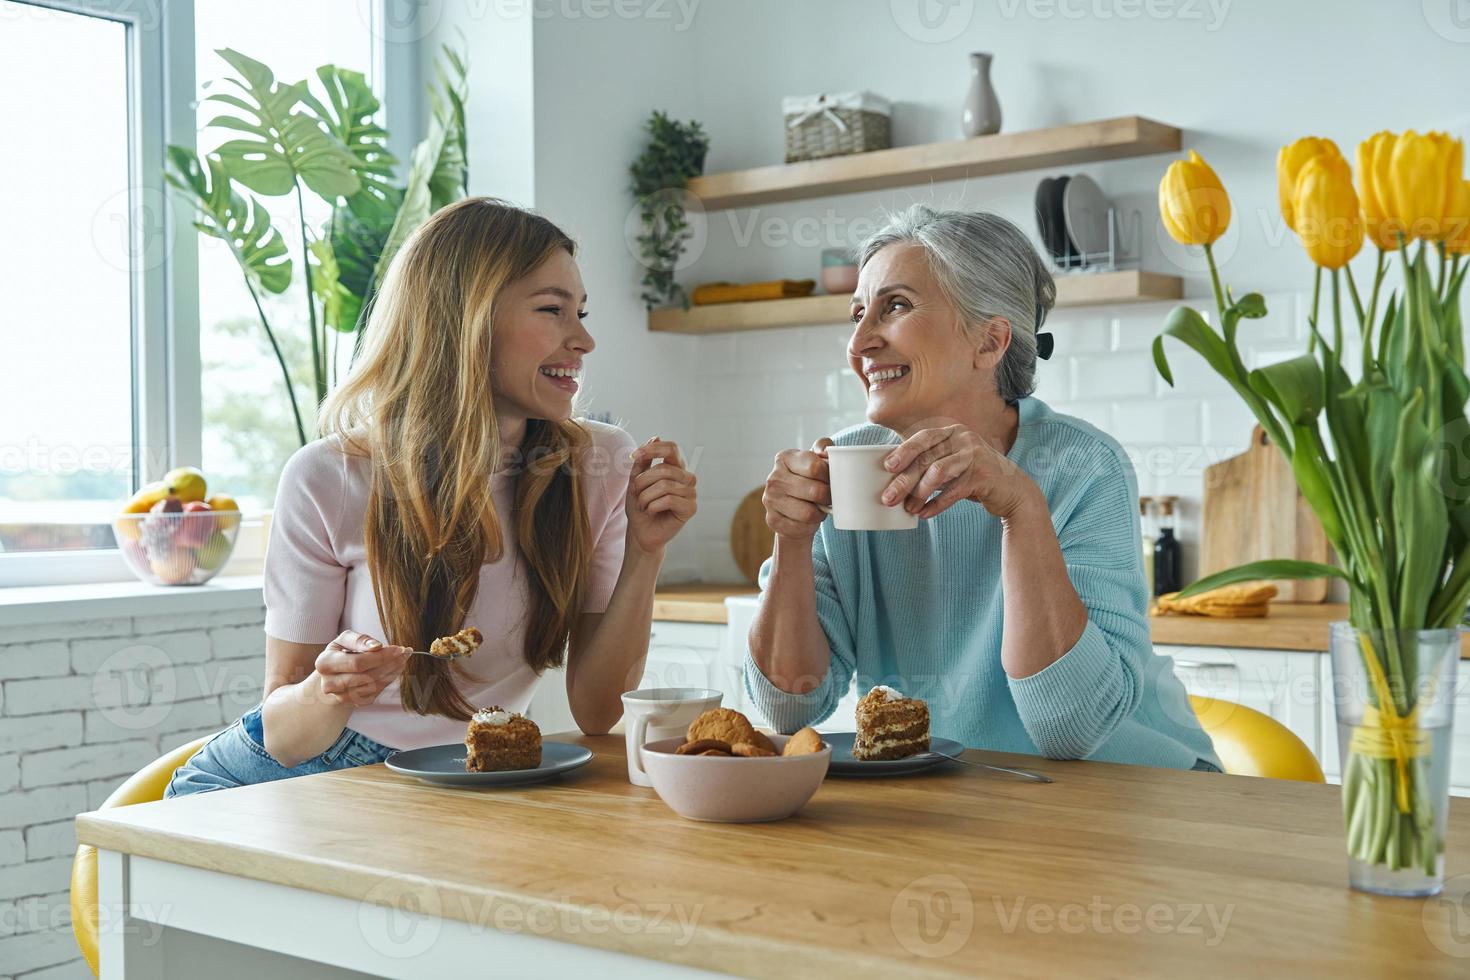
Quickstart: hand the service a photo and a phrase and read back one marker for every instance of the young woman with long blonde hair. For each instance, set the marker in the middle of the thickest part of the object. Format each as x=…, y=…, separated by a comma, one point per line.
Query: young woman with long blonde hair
x=453, y=487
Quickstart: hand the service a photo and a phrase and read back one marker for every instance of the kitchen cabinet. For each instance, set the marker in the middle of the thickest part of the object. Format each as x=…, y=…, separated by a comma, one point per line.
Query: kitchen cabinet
x=1279, y=683
x=687, y=655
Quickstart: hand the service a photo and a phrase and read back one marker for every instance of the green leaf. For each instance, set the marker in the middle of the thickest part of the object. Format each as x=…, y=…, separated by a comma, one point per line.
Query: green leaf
x=1252, y=306
x=348, y=113
x=1270, y=568
x=283, y=144
x=1294, y=386
x=1161, y=361
x=240, y=222
x=326, y=282
x=436, y=169
x=1420, y=516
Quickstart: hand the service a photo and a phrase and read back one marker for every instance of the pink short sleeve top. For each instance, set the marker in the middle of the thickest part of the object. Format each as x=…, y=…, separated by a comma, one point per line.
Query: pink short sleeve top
x=317, y=581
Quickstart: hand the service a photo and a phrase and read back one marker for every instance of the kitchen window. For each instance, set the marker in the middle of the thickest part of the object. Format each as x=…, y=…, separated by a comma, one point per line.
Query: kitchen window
x=103, y=266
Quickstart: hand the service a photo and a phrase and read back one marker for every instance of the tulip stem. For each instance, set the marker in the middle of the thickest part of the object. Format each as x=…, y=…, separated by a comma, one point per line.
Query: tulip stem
x=1316, y=297
x=1373, y=299
x=1336, y=313
x=1353, y=292
x=1443, y=261
x=1215, y=281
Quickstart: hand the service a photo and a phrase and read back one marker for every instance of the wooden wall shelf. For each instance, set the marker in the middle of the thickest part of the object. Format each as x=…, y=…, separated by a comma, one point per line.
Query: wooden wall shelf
x=1124, y=286
x=1107, y=139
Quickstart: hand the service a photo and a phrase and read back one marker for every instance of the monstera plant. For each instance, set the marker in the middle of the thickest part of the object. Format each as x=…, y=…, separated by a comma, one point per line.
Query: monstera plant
x=294, y=139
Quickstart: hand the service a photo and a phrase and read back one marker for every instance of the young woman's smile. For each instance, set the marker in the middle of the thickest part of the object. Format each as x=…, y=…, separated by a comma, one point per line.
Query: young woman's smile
x=540, y=342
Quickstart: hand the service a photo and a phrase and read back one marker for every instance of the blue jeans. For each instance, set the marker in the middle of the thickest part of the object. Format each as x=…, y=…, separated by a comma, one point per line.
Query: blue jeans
x=237, y=757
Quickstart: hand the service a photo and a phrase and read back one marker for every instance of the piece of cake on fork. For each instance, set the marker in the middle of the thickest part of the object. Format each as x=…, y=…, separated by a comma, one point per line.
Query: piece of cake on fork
x=499, y=740
x=890, y=726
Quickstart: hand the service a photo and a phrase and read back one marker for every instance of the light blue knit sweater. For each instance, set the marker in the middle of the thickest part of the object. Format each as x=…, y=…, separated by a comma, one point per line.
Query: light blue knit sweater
x=921, y=611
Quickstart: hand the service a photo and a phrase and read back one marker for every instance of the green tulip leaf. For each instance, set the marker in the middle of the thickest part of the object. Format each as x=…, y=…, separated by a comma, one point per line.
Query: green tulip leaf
x=1161, y=361
x=1270, y=568
x=1294, y=386
x=1252, y=306
x=282, y=143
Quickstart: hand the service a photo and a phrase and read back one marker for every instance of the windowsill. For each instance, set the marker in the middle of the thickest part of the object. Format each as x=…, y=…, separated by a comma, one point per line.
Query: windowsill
x=28, y=605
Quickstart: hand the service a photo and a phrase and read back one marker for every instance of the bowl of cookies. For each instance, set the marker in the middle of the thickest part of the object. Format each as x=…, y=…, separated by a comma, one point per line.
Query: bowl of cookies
x=725, y=770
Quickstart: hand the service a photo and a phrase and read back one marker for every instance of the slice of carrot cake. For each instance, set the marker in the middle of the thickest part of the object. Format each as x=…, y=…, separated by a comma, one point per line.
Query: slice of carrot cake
x=498, y=740
x=890, y=725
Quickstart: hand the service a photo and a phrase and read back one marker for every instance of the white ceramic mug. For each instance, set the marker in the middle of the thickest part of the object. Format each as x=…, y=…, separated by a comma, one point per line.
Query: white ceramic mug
x=858, y=480
x=653, y=713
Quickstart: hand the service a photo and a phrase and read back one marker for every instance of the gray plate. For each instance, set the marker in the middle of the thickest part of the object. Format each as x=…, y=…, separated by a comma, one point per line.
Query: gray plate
x=843, y=763
x=444, y=764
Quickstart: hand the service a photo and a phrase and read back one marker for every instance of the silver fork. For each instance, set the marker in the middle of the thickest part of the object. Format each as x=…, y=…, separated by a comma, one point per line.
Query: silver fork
x=1024, y=773
x=435, y=656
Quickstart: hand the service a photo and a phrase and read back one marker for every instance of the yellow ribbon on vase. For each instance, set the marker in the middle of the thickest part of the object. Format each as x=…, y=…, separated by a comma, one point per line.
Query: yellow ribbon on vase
x=1384, y=733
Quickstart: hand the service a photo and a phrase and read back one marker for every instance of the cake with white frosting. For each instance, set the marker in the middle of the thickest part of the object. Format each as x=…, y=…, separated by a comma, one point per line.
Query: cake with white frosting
x=499, y=740
x=890, y=725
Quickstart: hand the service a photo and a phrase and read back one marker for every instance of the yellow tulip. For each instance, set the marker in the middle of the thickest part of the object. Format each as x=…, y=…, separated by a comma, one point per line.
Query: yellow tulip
x=1423, y=175
x=1328, y=219
x=1457, y=221
x=1192, y=202
x=1374, y=192
x=1289, y=162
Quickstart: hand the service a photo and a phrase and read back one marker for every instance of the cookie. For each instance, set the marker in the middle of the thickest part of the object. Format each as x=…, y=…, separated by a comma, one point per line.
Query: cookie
x=703, y=745
x=714, y=752
x=725, y=724
x=750, y=751
x=762, y=741
x=804, y=742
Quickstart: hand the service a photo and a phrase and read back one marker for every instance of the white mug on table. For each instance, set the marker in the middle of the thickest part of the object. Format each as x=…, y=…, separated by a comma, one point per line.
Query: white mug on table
x=653, y=713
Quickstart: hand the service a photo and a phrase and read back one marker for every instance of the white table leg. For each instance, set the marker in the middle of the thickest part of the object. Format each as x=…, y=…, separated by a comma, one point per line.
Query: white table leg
x=126, y=948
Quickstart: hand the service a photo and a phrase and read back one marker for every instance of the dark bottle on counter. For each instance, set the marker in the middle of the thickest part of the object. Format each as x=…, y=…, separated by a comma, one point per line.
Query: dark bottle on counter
x=1166, y=551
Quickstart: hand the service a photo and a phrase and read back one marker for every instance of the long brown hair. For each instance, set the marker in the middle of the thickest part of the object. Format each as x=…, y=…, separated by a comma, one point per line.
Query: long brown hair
x=419, y=406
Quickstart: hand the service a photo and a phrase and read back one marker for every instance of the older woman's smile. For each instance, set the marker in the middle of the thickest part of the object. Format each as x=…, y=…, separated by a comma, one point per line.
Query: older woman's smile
x=885, y=375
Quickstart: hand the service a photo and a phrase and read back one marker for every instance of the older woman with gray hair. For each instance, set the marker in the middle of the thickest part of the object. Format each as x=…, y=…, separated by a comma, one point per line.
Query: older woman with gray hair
x=1018, y=607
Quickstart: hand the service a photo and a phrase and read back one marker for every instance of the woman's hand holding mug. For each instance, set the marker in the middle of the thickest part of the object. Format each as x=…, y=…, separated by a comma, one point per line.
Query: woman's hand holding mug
x=797, y=490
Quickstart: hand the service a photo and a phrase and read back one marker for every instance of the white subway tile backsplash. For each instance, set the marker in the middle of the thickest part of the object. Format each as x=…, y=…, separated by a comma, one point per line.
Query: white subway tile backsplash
x=1228, y=423
x=1120, y=375
x=1147, y=422
x=716, y=354
x=758, y=351
x=825, y=348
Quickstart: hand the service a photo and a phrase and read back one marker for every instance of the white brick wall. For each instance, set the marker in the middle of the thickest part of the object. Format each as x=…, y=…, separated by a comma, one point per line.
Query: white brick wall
x=768, y=390
x=84, y=705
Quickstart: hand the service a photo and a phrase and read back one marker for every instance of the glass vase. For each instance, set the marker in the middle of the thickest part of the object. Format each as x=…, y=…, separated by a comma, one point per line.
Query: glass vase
x=1394, y=692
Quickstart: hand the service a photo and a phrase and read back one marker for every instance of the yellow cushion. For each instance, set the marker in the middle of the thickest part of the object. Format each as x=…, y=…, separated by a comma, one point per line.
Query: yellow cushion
x=1250, y=743
x=143, y=786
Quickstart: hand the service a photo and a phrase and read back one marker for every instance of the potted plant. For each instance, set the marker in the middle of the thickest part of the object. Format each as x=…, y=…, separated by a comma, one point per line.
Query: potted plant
x=291, y=139
x=675, y=153
x=1378, y=447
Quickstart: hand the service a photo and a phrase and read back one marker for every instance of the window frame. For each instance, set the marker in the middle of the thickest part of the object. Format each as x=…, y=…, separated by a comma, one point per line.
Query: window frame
x=165, y=330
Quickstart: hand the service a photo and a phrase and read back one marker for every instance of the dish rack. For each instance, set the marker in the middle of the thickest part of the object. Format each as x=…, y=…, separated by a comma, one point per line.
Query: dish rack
x=1118, y=255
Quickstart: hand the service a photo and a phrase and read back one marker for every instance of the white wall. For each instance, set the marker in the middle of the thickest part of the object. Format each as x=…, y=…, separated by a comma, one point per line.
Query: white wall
x=1241, y=78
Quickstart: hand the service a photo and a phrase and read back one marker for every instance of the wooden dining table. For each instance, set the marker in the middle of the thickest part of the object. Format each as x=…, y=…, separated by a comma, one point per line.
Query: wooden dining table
x=1110, y=870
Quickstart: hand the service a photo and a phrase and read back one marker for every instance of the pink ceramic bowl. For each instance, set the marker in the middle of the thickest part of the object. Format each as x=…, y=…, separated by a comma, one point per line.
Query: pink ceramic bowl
x=734, y=789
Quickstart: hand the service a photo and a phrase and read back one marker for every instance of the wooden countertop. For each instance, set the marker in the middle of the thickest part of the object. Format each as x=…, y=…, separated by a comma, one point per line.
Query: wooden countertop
x=701, y=602
x=1111, y=870
x=1290, y=626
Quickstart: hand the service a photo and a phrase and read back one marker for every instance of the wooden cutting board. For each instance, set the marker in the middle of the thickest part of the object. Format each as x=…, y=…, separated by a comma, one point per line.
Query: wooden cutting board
x=1252, y=510
x=751, y=539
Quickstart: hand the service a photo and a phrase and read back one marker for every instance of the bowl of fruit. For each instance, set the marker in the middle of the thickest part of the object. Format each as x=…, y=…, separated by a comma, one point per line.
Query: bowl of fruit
x=172, y=532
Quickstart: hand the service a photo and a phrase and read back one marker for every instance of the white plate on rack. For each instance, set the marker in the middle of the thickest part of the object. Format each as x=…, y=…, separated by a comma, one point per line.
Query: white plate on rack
x=1085, y=212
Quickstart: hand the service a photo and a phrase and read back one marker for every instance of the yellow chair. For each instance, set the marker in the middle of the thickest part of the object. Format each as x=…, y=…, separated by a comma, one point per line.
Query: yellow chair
x=143, y=786
x=1253, y=744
